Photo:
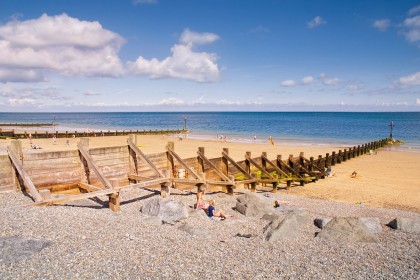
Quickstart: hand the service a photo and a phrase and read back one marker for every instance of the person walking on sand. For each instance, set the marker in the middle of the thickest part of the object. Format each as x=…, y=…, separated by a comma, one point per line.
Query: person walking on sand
x=271, y=140
x=213, y=213
x=30, y=138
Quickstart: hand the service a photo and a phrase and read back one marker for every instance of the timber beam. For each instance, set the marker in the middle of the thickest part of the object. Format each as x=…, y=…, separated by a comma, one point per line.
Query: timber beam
x=24, y=176
x=92, y=165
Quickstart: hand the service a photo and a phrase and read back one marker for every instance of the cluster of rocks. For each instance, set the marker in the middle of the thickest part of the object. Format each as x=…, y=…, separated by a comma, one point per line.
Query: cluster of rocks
x=286, y=223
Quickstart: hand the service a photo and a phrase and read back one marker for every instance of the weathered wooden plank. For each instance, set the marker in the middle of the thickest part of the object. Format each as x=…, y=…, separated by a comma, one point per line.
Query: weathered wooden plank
x=93, y=166
x=89, y=188
x=215, y=169
x=50, y=155
x=25, y=178
x=178, y=158
x=102, y=192
x=237, y=166
x=108, y=150
x=138, y=152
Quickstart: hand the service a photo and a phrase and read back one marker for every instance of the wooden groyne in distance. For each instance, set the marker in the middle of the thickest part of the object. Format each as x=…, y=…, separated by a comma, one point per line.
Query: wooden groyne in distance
x=88, y=173
x=28, y=124
x=70, y=134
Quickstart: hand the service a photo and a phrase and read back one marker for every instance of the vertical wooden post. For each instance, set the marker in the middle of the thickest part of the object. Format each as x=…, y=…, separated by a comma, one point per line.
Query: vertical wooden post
x=345, y=155
x=170, y=160
x=85, y=172
x=225, y=163
x=327, y=160
x=230, y=187
x=45, y=194
x=279, y=161
x=16, y=147
x=333, y=158
x=263, y=161
x=339, y=156
x=200, y=160
x=114, y=198
x=248, y=167
x=165, y=187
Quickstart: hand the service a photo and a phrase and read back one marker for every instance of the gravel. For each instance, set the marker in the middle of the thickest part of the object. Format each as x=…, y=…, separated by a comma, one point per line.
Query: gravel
x=89, y=241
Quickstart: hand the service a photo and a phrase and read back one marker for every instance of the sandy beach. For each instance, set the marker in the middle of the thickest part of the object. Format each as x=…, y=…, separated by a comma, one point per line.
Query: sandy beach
x=86, y=240
x=386, y=179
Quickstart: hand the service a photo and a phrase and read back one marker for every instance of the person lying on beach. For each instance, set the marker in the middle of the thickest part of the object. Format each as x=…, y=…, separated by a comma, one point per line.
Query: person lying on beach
x=211, y=211
x=35, y=146
x=278, y=203
x=200, y=204
x=330, y=173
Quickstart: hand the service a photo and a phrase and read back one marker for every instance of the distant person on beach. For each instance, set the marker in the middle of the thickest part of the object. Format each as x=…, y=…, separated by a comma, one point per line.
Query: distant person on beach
x=211, y=211
x=271, y=140
x=354, y=174
x=200, y=201
x=30, y=138
x=255, y=138
x=54, y=140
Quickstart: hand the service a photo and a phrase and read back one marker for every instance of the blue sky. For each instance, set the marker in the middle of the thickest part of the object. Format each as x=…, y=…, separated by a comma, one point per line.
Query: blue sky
x=209, y=55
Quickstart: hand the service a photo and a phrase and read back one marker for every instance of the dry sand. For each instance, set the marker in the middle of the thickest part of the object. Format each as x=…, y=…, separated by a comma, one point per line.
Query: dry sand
x=387, y=179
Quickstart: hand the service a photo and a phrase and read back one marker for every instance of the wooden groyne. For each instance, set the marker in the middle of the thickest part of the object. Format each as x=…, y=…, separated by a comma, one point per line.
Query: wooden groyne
x=72, y=134
x=91, y=172
x=28, y=124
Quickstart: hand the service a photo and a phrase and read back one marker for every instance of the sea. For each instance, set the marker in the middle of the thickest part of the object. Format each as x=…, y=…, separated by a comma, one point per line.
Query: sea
x=287, y=128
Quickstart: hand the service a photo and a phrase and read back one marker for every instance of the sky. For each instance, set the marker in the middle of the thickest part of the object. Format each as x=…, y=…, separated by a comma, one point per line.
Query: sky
x=209, y=55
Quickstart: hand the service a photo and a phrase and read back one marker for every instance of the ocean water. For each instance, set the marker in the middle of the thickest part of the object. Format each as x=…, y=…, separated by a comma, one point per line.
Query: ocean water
x=305, y=128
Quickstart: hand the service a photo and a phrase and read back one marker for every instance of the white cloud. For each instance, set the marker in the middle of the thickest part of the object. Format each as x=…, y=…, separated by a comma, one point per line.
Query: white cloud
x=331, y=81
x=184, y=63
x=411, y=27
x=317, y=21
x=59, y=44
x=260, y=29
x=140, y=2
x=288, y=83
x=91, y=93
x=410, y=80
x=381, y=24
x=190, y=37
x=227, y=102
x=414, y=10
x=418, y=101
x=21, y=102
x=171, y=101
x=308, y=80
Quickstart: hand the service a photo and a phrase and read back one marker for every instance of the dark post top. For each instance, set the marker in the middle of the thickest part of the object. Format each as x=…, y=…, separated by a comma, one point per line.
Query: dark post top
x=391, y=125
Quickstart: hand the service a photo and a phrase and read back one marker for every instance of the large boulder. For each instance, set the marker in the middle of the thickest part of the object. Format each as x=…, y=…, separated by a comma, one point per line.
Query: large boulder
x=405, y=224
x=165, y=209
x=286, y=226
x=322, y=222
x=251, y=206
x=372, y=224
x=347, y=229
x=14, y=249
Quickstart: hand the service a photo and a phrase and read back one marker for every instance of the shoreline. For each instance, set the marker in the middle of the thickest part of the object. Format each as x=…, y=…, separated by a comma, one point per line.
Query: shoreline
x=234, y=138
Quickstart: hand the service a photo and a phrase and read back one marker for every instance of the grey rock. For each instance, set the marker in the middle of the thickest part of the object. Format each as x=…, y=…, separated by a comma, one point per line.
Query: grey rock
x=192, y=230
x=152, y=220
x=165, y=209
x=405, y=224
x=251, y=206
x=322, y=222
x=13, y=249
x=373, y=224
x=269, y=217
x=347, y=229
x=286, y=226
